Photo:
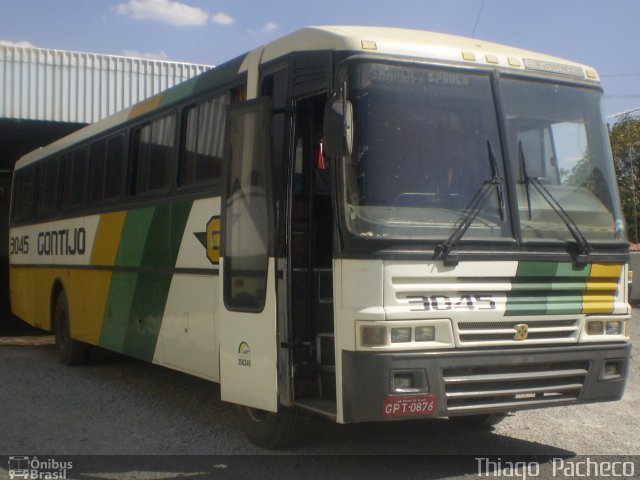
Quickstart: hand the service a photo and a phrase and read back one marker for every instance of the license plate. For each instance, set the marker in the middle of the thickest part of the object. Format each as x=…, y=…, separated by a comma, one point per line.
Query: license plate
x=409, y=406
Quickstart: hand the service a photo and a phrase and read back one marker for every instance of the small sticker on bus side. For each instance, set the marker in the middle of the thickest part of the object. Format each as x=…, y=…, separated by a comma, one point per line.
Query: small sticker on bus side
x=244, y=354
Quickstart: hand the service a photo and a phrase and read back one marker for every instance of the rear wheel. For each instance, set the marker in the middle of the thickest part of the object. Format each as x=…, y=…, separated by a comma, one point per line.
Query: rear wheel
x=271, y=430
x=70, y=351
x=479, y=421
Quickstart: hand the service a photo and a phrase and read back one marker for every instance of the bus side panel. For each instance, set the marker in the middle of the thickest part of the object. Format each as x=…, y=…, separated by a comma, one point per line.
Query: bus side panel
x=87, y=296
x=139, y=284
x=188, y=340
x=87, y=290
x=124, y=292
x=30, y=294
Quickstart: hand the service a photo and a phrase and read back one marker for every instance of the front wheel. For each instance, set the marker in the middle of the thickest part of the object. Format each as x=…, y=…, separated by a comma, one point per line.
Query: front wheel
x=479, y=421
x=271, y=430
x=70, y=351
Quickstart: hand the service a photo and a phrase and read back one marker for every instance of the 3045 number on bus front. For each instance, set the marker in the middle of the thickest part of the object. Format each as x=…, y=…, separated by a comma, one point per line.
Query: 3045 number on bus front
x=445, y=303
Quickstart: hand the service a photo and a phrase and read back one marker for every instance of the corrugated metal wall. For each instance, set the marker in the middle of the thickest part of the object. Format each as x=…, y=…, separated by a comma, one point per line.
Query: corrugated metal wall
x=55, y=85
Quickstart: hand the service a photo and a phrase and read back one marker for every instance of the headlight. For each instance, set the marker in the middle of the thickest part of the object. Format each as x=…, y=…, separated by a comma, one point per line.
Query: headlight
x=425, y=334
x=401, y=335
x=595, y=327
x=606, y=327
x=374, y=336
x=405, y=334
x=614, y=328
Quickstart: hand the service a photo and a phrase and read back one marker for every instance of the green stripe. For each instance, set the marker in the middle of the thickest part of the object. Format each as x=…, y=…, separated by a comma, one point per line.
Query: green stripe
x=123, y=285
x=564, y=304
x=136, y=303
x=208, y=81
x=567, y=269
x=547, y=288
x=134, y=237
x=116, y=316
x=536, y=269
x=526, y=304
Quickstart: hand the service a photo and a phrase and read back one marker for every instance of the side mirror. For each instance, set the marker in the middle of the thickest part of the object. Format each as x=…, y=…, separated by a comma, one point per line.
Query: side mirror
x=338, y=128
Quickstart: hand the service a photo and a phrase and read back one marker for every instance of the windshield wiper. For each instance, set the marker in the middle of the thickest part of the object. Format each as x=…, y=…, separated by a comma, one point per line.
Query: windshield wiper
x=582, y=244
x=471, y=211
x=525, y=176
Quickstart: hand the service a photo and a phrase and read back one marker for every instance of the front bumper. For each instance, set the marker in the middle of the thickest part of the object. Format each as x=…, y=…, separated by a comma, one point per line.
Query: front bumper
x=485, y=381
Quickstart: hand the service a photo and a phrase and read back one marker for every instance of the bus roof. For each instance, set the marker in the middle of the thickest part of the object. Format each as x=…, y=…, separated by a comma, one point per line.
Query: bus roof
x=372, y=40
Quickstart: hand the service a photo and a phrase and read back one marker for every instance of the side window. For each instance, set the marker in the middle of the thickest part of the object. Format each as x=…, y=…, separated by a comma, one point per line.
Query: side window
x=47, y=181
x=113, y=167
x=203, y=142
x=96, y=170
x=105, y=168
x=154, y=152
x=75, y=172
x=24, y=194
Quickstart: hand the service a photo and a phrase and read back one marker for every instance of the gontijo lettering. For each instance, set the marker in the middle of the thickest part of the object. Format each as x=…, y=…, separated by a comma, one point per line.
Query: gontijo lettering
x=62, y=242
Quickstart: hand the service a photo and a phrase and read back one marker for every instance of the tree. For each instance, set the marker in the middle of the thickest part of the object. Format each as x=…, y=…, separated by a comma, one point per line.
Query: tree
x=625, y=145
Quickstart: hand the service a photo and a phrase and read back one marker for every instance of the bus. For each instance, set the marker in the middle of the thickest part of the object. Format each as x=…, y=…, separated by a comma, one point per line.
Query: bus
x=366, y=224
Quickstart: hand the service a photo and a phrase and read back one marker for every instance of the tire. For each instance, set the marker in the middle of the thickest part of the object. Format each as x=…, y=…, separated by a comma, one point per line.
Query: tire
x=485, y=421
x=70, y=351
x=269, y=430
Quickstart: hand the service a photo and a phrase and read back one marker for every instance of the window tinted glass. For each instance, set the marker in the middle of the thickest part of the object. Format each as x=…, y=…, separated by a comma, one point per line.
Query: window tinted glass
x=113, y=177
x=425, y=142
x=96, y=171
x=561, y=158
x=154, y=148
x=47, y=180
x=203, y=141
x=75, y=170
x=24, y=194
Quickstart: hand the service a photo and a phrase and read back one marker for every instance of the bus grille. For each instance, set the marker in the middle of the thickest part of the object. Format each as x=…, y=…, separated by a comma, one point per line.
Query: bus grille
x=488, y=332
x=513, y=387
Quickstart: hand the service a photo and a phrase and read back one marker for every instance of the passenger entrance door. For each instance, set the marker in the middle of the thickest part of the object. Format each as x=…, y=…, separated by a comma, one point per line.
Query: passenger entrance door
x=247, y=321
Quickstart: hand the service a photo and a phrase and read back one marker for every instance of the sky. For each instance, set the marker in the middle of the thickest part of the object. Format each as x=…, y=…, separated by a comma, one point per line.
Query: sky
x=602, y=33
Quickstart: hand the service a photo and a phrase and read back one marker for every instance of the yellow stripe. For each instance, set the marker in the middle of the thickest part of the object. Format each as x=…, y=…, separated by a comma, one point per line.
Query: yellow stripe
x=606, y=270
x=145, y=107
x=602, y=286
x=107, y=240
x=90, y=288
x=87, y=292
x=30, y=290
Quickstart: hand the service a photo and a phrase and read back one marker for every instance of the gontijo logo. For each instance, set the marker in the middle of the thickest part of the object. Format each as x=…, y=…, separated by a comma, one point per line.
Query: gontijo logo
x=522, y=331
x=244, y=354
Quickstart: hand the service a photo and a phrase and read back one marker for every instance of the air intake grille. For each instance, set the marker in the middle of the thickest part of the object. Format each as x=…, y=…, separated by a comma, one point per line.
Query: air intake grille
x=512, y=387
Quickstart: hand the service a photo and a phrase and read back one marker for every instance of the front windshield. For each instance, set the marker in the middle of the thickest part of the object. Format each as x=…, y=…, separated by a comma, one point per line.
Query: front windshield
x=556, y=135
x=422, y=140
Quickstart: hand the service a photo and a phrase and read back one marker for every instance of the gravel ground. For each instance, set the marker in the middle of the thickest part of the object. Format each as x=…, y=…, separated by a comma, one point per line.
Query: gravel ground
x=118, y=406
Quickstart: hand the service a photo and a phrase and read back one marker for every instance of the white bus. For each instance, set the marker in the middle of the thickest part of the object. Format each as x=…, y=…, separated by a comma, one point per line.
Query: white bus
x=368, y=224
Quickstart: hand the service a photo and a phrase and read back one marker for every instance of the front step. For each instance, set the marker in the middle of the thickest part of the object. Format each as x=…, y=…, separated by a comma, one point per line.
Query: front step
x=321, y=406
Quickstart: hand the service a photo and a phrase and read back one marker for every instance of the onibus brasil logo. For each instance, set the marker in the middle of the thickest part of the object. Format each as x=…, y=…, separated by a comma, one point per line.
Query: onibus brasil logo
x=32, y=468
